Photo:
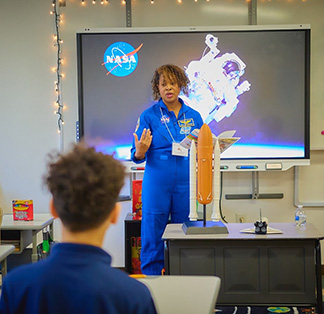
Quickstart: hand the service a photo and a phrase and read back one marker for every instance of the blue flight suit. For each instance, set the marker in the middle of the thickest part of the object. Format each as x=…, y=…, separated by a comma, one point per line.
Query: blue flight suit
x=166, y=178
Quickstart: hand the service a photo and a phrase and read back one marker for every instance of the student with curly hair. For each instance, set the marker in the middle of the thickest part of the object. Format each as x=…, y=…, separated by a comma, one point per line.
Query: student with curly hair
x=158, y=133
x=77, y=276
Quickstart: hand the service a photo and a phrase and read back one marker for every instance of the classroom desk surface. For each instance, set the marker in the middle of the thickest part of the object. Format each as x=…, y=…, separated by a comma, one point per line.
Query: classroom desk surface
x=289, y=231
x=26, y=228
x=5, y=250
x=40, y=222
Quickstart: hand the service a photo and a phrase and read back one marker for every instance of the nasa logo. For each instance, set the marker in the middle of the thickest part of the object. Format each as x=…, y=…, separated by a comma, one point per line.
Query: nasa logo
x=120, y=58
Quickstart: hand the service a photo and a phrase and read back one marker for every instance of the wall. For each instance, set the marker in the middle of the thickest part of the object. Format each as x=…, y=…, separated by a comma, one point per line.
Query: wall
x=29, y=128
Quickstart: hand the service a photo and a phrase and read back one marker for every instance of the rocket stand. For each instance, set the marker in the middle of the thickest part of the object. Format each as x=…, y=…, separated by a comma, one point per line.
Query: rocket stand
x=204, y=227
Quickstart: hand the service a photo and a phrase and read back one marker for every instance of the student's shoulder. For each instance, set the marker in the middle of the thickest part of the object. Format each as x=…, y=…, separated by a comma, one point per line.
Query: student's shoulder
x=135, y=292
x=26, y=273
x=128, y=283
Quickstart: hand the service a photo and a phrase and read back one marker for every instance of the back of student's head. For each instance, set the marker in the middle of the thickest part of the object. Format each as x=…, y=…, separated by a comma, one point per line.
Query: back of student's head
x=85, y=185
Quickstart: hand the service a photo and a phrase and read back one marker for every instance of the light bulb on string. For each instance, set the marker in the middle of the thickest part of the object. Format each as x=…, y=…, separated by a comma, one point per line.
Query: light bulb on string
x=152, y=1
x=58, y=19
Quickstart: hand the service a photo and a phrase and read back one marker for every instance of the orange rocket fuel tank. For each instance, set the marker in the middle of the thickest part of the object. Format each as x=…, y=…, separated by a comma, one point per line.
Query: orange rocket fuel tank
x=205, y=165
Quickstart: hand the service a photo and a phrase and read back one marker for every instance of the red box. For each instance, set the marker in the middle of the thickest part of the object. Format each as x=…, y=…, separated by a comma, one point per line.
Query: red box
x=136, y=255
x=137, y=199
x=23, y=210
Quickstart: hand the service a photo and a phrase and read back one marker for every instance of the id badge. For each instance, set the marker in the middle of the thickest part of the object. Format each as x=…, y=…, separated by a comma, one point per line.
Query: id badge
x=178, y=150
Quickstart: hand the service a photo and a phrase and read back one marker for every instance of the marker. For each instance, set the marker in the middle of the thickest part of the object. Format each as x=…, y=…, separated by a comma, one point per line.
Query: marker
x=137, y=168
x=224, y=167
x=246, y=167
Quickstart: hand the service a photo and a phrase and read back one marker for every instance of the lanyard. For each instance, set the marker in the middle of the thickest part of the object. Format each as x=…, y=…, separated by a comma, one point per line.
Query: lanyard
x=167, y=125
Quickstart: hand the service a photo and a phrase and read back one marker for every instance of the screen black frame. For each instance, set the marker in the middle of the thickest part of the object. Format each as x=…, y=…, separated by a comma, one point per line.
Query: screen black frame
x=233, y=164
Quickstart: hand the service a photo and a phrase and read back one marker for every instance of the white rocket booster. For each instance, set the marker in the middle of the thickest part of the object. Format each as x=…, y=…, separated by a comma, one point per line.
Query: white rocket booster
x=216, y=183
x=193, y=216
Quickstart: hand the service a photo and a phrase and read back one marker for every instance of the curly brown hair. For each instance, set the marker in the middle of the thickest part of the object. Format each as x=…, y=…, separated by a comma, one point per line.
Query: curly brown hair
x=173, y=73
x=85, y=185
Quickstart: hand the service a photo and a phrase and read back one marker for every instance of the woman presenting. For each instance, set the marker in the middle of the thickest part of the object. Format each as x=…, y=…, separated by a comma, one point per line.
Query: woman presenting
x=158, y=133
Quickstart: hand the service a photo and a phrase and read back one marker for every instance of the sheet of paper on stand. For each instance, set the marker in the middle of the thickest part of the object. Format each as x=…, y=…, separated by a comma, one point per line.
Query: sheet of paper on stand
x=225, y=139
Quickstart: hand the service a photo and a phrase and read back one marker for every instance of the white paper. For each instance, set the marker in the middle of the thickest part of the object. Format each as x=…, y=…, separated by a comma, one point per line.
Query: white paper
x=225, y=139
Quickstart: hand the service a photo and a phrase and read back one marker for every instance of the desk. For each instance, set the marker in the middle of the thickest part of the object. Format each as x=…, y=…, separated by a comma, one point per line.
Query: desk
x=23, y=233
x=5, y=250
x=271, y=269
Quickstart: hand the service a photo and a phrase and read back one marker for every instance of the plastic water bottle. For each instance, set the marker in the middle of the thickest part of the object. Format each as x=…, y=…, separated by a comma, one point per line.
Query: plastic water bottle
x=300, y=216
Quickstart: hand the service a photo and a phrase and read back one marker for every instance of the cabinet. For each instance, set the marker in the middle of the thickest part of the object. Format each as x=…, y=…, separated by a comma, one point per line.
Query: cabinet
x=272, y=269
x=132, y=229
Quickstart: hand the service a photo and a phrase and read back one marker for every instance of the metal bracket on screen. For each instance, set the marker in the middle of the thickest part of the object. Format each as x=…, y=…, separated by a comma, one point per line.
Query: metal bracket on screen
x=255, y=192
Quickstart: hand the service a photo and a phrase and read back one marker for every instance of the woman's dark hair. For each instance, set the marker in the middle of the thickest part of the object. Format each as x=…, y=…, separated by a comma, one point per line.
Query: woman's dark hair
x=172, y=73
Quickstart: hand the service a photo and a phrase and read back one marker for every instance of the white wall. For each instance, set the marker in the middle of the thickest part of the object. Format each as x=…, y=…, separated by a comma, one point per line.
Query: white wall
x=28, y=128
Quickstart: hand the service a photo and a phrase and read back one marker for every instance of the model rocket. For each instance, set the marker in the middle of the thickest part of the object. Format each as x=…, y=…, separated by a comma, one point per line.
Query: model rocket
x=204, y=174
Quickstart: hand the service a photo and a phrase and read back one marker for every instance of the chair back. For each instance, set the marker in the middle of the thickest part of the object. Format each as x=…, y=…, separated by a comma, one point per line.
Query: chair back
x=183, y=294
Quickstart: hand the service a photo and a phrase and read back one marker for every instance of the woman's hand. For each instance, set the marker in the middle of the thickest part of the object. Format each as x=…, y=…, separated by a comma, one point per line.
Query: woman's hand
x=142, y=144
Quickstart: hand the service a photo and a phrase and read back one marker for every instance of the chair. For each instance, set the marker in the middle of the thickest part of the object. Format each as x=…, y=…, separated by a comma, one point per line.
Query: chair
x=183, y=294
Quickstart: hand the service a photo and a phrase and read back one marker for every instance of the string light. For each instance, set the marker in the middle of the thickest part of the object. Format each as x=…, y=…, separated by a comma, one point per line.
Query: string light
x=123, y=2
x=58, y=83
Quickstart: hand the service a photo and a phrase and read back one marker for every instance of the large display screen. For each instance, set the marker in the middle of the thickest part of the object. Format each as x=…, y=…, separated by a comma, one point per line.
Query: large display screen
x=252, y=80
